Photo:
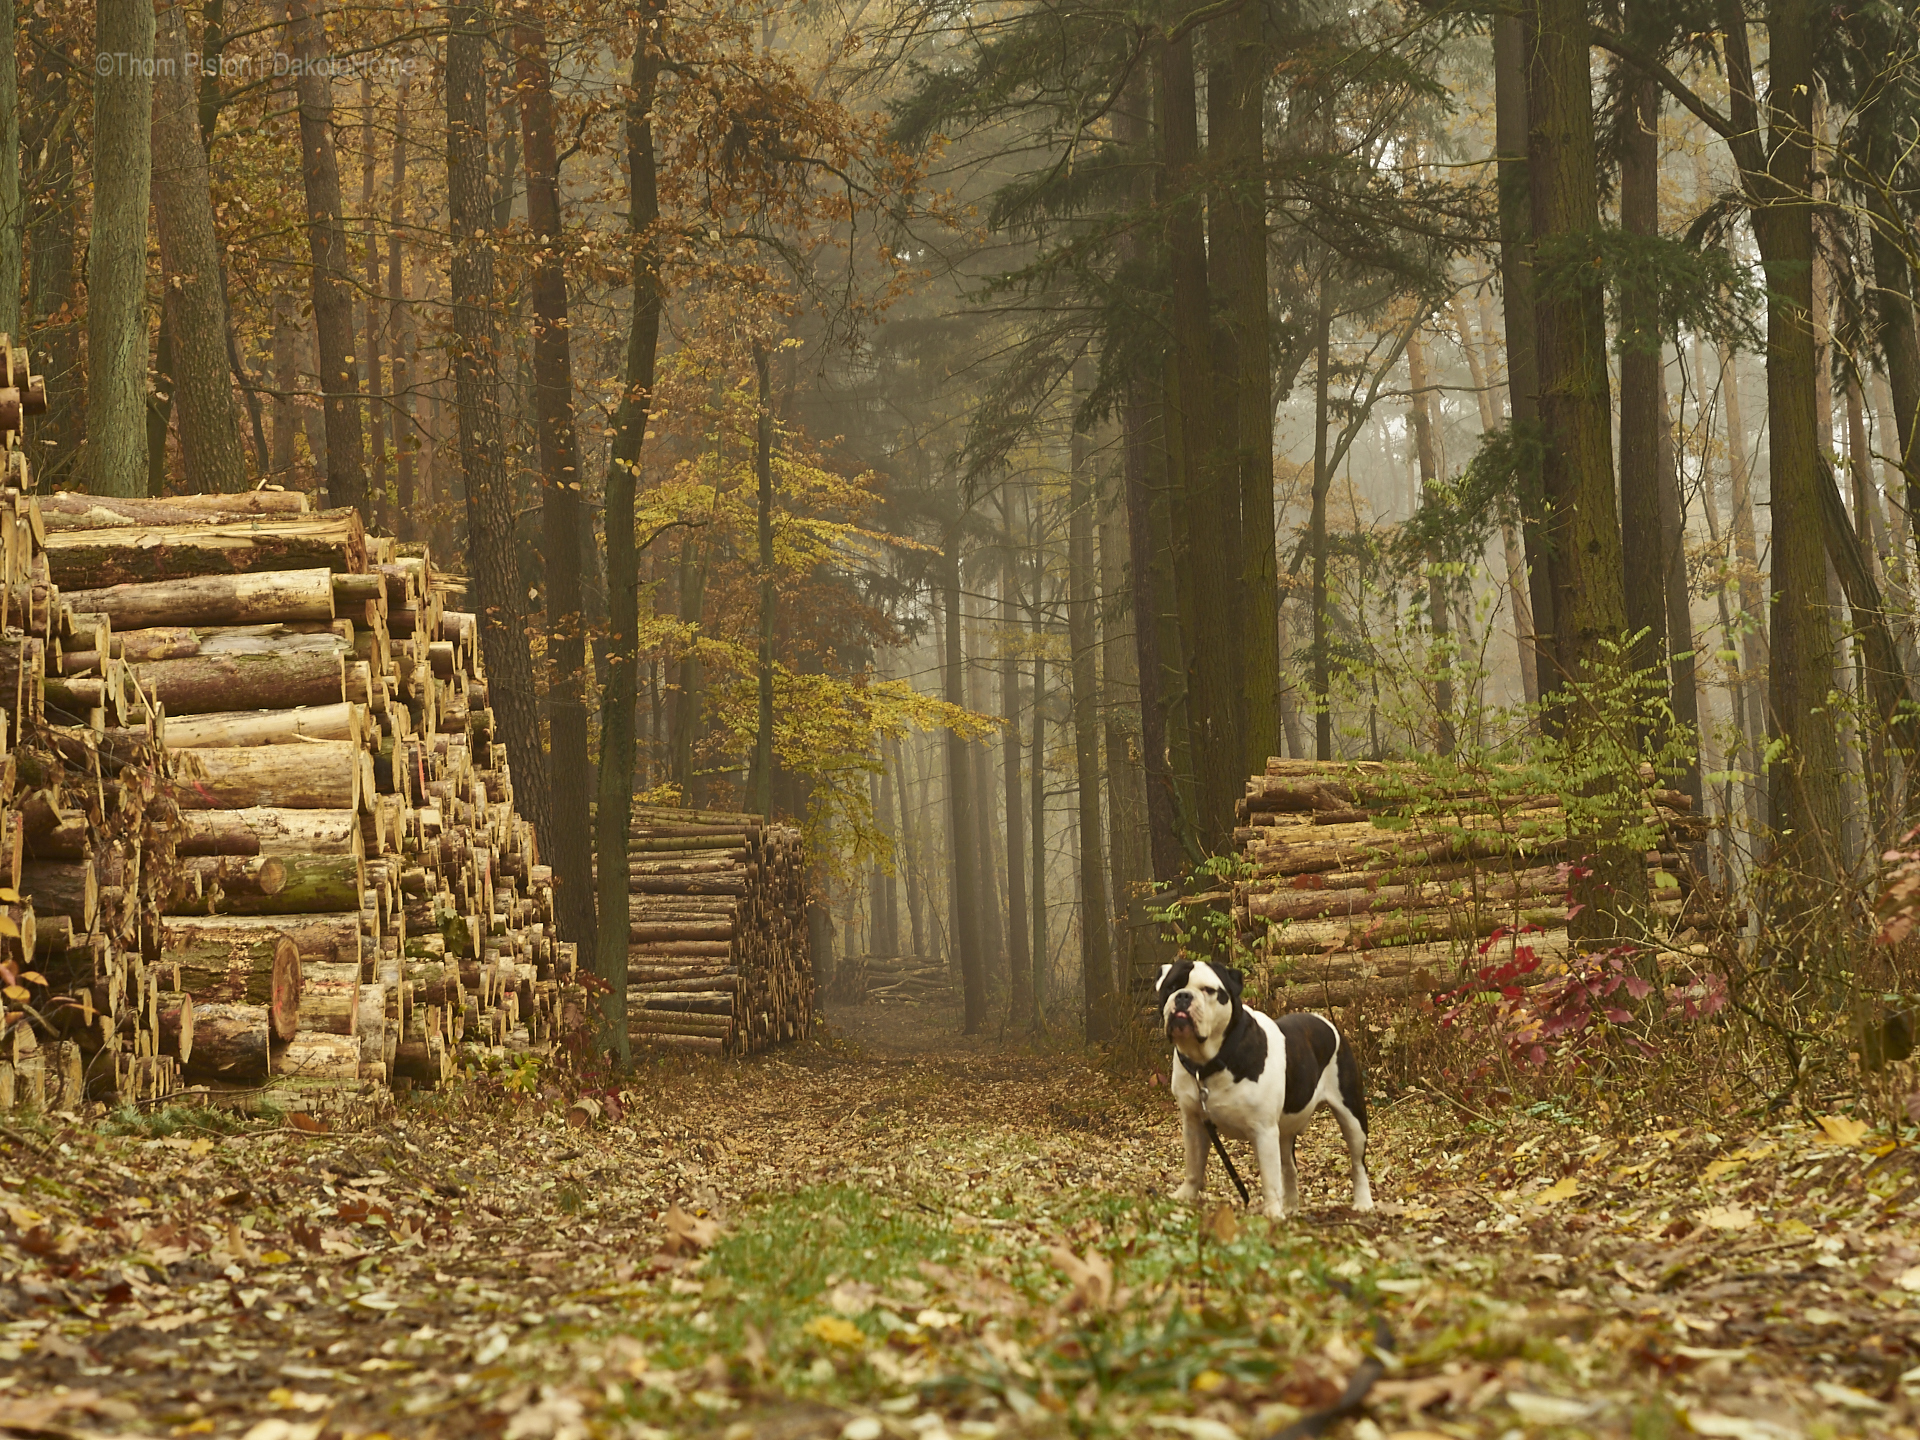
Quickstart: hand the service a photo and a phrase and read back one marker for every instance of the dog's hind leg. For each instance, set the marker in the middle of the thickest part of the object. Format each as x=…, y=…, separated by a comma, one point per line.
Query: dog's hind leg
x=1194, y=1138
x=1289, y=1176
x=1356, y=1136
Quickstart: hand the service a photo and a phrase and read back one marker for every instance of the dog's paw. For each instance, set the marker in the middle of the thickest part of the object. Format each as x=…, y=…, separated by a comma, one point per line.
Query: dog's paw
x=1363, y=1203
x=1187, y=1193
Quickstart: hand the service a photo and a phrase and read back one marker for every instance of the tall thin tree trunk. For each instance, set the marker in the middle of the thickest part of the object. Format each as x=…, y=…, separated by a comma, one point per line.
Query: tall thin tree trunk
x=379, y=500
x=1126, y=791
x=1577, y=424
x=1511, y=45
x=1019, y=953
x=54, y=444
x=1317, y=531
x=286, y=382
x=993, y=947
x=1096, y=965
x=190, y=270
x=1642, y=390
x=1682, y=653
x=1037, y=800
x=117, y=250
x=327, y=248
x=888, y=938
x=490, y=518
x=400, y=328
x=623, y=567
x=965, y=859
x=13, y=214
x=568, y=759
x=1215, y=701
x=760, y=786
x=1238, y=139
x=1439, y=585
x=907, y=854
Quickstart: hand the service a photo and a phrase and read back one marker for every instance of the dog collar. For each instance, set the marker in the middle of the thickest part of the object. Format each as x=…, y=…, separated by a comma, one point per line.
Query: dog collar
x=1207, y=1071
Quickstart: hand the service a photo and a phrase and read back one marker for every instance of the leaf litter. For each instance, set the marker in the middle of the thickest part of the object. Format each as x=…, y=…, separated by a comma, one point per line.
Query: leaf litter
x=951, y=1245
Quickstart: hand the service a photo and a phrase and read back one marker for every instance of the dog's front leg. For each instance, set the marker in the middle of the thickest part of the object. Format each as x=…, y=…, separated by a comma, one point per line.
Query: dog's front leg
x=1289, y=1177
x=1274, y=1163
x=1193, y=1135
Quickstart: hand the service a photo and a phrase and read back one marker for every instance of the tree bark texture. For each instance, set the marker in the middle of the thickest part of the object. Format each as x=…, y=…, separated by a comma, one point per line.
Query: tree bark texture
x=332, y=286
x=1096, y=949
x=117, y=249
x=569, y=767
x=1439, y=584
x=13, y=213
x=53, y=211
x=190, y=270
x=623, y=559
x=965, y=853
x=1126, y=791
x=1019, y=941
x=475, y=343
x=1209, y=497
x=1317, y=533
x=400, y=330
x=1512, y=123
x=760, y=781
x=1642, y=394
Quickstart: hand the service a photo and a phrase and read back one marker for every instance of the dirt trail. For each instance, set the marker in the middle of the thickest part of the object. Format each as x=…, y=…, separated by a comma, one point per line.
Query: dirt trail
x=913, y=1236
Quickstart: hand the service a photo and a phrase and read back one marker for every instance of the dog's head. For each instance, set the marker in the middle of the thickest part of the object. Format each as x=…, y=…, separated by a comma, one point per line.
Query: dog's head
x=1197, y=1004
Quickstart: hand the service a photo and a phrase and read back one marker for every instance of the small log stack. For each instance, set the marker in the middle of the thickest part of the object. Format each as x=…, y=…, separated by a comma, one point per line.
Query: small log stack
x=256, y=821
x=1369, y=883
x=890, y=980
x=718, y=958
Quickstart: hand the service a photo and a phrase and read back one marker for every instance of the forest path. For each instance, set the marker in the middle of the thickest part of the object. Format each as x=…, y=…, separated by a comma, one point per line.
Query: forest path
x=916, y=1237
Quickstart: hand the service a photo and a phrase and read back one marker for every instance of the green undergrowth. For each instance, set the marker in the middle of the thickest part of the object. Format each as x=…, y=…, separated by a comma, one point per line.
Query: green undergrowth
x=842, y=1296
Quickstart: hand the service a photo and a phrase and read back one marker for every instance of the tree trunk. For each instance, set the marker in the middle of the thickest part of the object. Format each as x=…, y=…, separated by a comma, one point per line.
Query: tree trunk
x=1238, y=115
x=1511, y=45
x=886, y=888
x=1019, y=950
x=1209, y=495
x=1439, y=586
x=1317, y=531
x=379, y=499
x=286, y=380
x=1126, y=794
x=993, y=946
x=1577, y=425
x=965, y=857
x=490, y=502
x=53, y=209
x=623, y=568
x=760, y=783
x=1096, y=962
x=908, y=851
x=117, y=249
x=1753, y=626
x=13, y=213
x=1682, y=652
x=400, y=330
x=1037, y=801
x=327, y=247
x=569, y=767
x=1642, y=390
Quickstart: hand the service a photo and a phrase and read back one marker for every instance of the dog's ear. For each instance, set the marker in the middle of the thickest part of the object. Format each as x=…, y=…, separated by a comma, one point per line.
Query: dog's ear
x=1232, y=979
x=1173, y=976
x=1161, y=979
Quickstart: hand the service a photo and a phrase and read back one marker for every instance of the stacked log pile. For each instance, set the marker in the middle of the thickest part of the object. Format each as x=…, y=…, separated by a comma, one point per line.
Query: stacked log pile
x=718, y=958
x=891, y=980
x=256, y=806
x=1368, y=882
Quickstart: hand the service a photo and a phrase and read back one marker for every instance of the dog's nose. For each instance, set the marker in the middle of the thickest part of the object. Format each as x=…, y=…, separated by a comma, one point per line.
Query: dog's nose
x=1183, y=1001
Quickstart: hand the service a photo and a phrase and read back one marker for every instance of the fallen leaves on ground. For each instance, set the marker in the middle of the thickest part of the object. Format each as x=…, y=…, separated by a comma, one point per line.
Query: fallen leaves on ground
x=951, y=1243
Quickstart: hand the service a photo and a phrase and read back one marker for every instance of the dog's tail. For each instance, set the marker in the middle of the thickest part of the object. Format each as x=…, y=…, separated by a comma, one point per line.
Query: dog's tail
x=1353, y=1084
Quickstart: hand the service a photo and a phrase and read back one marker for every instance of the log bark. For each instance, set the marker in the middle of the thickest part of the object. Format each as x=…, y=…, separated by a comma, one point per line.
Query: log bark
x=334, y=539
x=58, y=887
x=322, y=775
x=235, y=878
x=318, y=1055
x=261, y=830
x=330, y=1000
x=344, y=721
x=67, y=511
x=213, y=600
x=230, y=1042
x=211, y=684
x=242, y=958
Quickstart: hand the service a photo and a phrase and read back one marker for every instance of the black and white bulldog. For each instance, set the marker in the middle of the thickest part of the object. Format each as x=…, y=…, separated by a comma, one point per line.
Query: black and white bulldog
x=1257, y=1079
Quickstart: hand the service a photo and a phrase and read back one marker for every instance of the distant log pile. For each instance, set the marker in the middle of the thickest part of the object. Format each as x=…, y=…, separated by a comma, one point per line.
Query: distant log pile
x=718, y=958
x=891, y=979
x=256, y=824
x=1368, y=883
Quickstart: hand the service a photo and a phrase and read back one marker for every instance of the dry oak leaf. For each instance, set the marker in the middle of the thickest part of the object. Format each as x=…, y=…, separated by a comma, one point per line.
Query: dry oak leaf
x=1726, y=1217
x=1565, y=1188
x=1092, y=1277
x=1842, y=1131
x=689, y=1234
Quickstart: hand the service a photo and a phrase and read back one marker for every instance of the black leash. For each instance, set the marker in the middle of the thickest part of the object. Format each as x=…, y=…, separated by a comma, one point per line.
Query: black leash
x=1227, y=1160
